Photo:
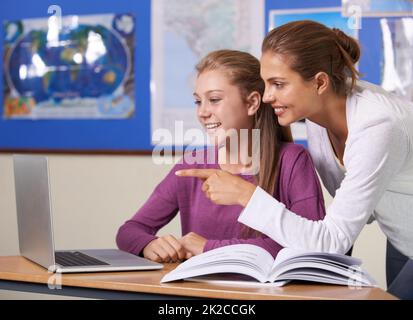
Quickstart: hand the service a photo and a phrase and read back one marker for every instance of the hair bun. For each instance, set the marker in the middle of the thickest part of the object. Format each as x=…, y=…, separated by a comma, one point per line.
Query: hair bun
x=349, y=44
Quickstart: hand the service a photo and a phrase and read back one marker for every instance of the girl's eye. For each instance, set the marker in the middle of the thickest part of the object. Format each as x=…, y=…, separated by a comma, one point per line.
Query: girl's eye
x=278, y=85
x=215, y=100
x=197, y=102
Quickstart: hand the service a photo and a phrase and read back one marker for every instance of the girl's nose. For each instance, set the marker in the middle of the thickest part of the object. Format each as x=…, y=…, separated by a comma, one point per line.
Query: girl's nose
x=203, y=111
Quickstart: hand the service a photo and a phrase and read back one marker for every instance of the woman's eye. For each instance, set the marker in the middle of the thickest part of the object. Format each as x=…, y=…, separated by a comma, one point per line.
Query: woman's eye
x=278, y=85
x=197, y=102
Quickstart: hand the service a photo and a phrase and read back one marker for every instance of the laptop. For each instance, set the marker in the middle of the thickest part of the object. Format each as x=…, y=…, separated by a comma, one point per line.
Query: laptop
x=35, y=227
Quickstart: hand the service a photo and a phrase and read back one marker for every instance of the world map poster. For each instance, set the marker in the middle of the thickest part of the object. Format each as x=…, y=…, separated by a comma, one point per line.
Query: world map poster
x=72, y=67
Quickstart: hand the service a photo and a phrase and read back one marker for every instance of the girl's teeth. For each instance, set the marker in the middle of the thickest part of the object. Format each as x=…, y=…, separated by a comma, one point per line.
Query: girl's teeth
x=212, y=125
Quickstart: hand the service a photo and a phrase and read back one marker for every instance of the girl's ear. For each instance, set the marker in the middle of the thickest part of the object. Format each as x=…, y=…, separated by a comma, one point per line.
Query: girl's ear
x=253, y=102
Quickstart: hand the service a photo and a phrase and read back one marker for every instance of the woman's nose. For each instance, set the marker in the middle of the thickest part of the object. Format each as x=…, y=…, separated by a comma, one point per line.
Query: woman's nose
x=268, y=97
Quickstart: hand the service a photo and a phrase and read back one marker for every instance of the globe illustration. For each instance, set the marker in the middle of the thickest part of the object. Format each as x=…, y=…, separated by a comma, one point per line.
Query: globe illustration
x=82, y=62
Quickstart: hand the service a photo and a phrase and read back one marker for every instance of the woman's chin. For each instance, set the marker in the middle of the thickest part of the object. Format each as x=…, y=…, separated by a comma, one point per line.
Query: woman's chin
x=284, y=122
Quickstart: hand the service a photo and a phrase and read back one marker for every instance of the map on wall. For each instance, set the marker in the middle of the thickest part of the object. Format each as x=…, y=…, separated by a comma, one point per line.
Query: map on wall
x=80, y=67
x=182, y=33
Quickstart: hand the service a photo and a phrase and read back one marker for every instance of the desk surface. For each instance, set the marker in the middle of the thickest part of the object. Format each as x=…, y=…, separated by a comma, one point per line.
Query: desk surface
x=19, y=269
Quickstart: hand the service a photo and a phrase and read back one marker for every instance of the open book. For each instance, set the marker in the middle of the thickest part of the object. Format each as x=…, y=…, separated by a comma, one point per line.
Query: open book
x=253, y=263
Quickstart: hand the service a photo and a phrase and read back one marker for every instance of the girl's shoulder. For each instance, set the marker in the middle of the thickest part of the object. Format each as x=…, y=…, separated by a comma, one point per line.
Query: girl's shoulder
x=292, y=150
x=293, y=155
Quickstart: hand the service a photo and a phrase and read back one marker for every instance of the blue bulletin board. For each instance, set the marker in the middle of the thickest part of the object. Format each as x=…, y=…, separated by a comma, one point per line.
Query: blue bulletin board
x=134, y=133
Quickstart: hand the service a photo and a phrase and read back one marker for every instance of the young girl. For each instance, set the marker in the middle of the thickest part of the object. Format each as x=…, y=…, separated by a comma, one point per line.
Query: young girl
x=228, y=98
x=360, y=137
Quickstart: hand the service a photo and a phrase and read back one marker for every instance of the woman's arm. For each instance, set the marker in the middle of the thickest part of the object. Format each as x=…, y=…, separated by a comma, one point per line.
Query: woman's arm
x=374, y=154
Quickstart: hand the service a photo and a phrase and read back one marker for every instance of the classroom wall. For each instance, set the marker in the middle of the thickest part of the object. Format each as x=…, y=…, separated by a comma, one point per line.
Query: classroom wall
x=93, y=195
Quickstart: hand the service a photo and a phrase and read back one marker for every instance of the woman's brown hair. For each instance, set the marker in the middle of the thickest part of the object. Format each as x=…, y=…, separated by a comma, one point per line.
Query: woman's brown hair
x=243, y=71
x=311, y=47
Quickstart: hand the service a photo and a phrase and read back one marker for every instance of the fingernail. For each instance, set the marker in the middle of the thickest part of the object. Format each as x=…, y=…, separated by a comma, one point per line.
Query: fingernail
x=178, y=173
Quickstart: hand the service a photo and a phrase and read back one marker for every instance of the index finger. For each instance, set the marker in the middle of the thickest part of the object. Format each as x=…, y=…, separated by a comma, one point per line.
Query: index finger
x=197, y=173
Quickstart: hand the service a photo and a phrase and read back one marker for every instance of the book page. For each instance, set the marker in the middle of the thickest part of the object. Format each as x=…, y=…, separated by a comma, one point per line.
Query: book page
x=314, y=269
x=286, y=255
x=245, y=259
x=235, y=280
x=292, y=264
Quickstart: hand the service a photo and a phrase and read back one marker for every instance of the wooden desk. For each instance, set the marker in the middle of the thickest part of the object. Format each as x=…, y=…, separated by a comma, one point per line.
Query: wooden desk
x=20, y=274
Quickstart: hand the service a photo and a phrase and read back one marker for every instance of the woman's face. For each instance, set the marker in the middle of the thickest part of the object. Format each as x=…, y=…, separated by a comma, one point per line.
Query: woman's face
x=220, y=106
x=292, y=97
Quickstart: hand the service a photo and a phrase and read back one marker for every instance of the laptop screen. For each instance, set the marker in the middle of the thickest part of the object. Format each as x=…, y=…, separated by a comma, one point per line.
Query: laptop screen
x=31, y=178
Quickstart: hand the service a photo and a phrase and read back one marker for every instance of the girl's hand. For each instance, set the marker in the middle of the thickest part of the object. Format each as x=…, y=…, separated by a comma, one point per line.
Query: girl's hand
x=164, y=249
x=193, y=243
x=222, y=187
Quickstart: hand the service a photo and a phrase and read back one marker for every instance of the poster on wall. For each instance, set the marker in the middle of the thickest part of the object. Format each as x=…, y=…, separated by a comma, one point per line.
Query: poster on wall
x=331, y=17
x=76, y=67
x=182, y=33
x=378, y=8
x=397, y=56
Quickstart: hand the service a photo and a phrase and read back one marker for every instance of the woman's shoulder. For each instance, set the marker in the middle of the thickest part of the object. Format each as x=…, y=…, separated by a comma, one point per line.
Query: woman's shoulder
x=370, y=104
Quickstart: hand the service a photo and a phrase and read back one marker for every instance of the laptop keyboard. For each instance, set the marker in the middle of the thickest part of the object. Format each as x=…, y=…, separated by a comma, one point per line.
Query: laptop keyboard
x=76, y=259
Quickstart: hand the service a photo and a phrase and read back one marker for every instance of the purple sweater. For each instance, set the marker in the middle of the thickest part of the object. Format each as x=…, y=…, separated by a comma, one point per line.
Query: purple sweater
x=297, y=187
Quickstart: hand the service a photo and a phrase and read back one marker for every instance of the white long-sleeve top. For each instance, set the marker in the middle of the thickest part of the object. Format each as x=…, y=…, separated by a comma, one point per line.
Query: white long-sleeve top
x=377, y=180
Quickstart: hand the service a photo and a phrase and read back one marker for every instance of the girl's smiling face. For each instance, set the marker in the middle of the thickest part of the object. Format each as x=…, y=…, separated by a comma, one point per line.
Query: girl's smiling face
x=220, y=105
